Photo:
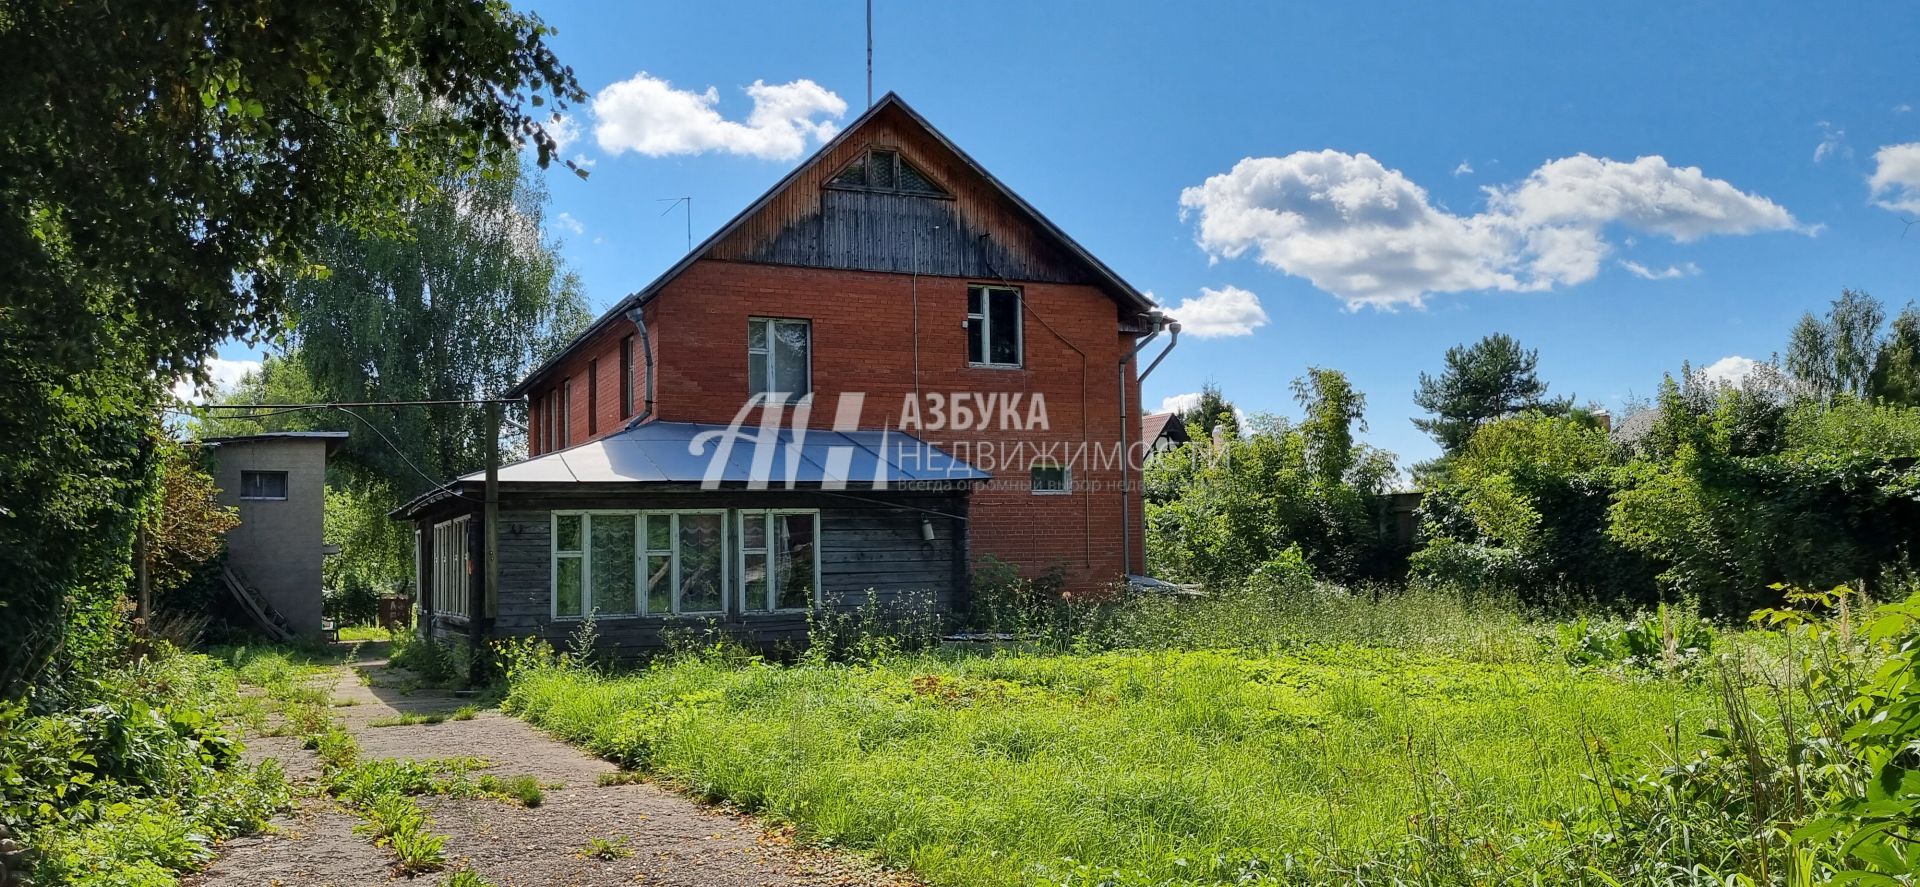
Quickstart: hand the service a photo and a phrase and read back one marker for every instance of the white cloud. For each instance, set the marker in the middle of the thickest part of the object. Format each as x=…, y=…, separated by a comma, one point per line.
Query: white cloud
x=1730, y=370
x=1464, y=169
x=1228, y=311
x=647, y=115
x=1671, y=272
x=567, y=221
x=564, y=130
x=1903, y=108
x=1896, y=177
x=225, y=375
x=1184, y=403
x=583, y=161
x=1179, y=403
x=1371, y=236
x=1833, y=143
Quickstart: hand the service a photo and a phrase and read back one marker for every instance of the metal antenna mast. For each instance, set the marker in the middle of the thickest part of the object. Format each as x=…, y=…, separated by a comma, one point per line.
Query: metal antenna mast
x=869, y=53
x=672, y=202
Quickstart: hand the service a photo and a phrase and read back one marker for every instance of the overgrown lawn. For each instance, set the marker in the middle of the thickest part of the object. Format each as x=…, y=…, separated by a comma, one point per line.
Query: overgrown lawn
x=1322, y=762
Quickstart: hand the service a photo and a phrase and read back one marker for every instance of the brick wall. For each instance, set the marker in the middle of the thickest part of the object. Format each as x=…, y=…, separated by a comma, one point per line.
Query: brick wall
x=863, y=341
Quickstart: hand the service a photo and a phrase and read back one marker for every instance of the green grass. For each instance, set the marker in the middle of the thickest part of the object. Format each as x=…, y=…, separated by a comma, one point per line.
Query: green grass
x=409, y=720
x=364, y=633
x=1329, y=760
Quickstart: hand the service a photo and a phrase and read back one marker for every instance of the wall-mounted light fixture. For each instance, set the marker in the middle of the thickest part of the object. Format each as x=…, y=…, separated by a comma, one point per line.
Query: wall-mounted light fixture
x=926, y=529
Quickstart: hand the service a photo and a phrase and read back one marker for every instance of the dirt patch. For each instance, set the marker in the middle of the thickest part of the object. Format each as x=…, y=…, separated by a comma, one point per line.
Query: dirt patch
x=660, y=837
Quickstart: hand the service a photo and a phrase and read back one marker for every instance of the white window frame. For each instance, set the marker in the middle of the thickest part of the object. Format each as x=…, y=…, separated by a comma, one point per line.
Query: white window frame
x=985, y=315
x=766, y=384
x=641, y=551
x=286, y=481
x=419, y=565
x=1066, y=479
x=450, y=568
x=766, y=516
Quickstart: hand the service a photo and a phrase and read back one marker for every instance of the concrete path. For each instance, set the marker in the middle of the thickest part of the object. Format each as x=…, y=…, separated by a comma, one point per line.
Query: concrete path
x=667, y=838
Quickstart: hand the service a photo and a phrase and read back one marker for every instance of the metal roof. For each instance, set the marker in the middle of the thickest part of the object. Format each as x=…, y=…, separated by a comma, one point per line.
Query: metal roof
x=686, y=452
x=332, y=438
x=1122, y=291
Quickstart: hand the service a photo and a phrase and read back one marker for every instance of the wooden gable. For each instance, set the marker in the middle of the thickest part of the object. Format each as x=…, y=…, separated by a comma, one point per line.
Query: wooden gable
x=968, y=224
x=935, y=213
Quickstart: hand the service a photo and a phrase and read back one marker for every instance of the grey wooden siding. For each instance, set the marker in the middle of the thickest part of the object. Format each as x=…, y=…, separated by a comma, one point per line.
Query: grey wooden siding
x=868, y=231
x=867, y=550
x=813, y=223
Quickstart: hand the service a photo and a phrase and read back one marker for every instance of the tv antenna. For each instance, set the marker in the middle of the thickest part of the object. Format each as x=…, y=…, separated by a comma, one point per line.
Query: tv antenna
x=869, y=53
x=672, y=203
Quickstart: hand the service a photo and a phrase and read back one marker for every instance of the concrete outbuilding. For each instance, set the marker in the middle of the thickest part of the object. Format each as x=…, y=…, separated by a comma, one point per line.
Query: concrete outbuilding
x=278, y=482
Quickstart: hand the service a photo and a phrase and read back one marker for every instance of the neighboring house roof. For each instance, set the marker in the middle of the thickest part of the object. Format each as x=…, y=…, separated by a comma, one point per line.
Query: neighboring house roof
x=1154, y=426
x=1119, y=289
x=333, y=438
x=683, y=453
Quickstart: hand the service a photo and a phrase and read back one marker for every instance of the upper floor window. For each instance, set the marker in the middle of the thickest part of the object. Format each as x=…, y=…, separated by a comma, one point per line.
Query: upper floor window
x=993, y=326
x=263, y=485
x=779, y=356
x=626, y=378
x=883, y=169
x=1050, y=477
x=593, y=396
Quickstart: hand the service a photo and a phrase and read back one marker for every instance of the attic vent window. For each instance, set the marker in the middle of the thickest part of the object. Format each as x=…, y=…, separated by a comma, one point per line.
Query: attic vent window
x=881, y=169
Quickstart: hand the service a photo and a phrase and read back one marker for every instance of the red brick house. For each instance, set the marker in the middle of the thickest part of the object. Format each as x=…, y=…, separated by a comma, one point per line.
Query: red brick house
x=952, y=378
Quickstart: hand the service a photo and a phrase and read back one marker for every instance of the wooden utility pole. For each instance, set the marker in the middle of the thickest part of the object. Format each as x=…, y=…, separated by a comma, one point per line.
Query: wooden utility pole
x=487, y=591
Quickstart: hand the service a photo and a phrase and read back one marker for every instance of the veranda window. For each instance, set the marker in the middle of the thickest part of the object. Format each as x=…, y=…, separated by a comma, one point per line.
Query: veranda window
x=779, y=560
x=625, y=563
x=450, y=590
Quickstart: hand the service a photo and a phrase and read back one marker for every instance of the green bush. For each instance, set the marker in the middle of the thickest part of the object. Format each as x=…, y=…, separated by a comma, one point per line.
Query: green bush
x=1834, y=504
x=1217, y=511
x=136, y=785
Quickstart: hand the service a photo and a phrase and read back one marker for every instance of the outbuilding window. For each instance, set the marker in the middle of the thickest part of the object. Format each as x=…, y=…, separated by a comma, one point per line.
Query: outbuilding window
x=993, y=326
x=779, y=560
x=263, y=485
x=779, y=356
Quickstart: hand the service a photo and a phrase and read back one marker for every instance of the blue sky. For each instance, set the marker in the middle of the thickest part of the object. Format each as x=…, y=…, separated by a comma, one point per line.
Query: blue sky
x=1472, y=210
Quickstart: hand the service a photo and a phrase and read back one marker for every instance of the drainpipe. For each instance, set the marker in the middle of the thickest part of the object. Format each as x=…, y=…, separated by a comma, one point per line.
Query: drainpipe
x=637, y=314
x=1157, y=322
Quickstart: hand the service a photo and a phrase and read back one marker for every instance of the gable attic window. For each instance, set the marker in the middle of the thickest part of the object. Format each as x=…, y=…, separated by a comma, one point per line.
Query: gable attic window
x=883, y=169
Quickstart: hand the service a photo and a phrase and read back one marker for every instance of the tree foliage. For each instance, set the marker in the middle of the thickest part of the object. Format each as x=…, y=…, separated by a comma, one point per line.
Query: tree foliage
x=1896, y=369
x=1842, y=352
x=168, y=169
x=187, y=525
x=1272, y=503
x=1487, y=380
x=1524, y=509
x=181, y=157
x=1212, y=411
x=458, y=306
